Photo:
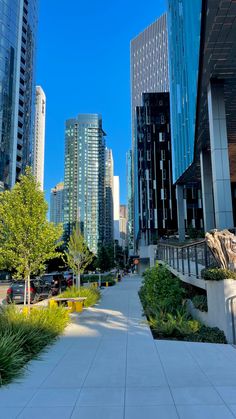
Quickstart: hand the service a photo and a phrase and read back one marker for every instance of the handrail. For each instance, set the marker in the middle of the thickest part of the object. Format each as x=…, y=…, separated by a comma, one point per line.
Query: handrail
x=166, y=243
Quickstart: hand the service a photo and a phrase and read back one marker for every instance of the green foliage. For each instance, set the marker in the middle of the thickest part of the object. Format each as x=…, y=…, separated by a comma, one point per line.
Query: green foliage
x=23, y=337
x=161, y=291
x=27, y=239
x=200, y=302
x=105, y=257
x=208, y=334
x=162, y=297
x=93, y=295
x=178, y=326
x=217, y=274
x=78, y=255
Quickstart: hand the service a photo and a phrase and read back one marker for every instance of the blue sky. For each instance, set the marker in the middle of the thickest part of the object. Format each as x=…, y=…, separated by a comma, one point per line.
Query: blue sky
x=83, y=65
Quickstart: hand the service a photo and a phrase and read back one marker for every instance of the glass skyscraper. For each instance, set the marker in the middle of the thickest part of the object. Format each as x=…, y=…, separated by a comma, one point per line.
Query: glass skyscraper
x=84, y=183
x=17, y=63
x=184, y=25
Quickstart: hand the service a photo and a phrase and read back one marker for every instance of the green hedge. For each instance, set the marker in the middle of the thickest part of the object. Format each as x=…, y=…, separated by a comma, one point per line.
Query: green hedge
x=200, y=302
x=161, y=291
x=23, y=337
x=217, y=274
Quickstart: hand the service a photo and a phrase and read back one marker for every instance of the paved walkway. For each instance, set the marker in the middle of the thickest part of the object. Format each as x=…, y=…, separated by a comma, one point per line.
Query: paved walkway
x=107, y=366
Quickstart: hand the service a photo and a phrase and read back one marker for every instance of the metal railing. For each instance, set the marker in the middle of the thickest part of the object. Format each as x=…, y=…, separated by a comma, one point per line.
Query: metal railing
x=188, y=259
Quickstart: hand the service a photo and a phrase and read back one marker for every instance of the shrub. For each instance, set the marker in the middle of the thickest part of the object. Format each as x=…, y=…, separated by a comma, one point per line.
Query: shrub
x=174, y=326
x=23, y=337
x=208, y=334
x=200, y=302
x=92, y=294
x=217, y=274
x=161, y=291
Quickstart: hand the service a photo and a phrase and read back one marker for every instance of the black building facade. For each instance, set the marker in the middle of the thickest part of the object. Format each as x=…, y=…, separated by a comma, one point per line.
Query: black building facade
x=157, y=201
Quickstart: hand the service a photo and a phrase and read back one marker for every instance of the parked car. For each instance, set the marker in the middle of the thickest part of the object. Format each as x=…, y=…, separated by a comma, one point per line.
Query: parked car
x=68, y=276
x=38, y=291
x=55, y=281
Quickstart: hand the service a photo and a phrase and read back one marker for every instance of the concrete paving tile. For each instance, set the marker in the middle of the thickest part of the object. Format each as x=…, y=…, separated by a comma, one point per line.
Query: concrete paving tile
x=13, y=397
x=98, y=412
x=54, y=398
x=228, y=393
x=151, y=412
x=148, y=396
x=46, y=413
x=145, y=376
x=196, y=395
x=204, y=412
x=101, y=396
x=9, y=412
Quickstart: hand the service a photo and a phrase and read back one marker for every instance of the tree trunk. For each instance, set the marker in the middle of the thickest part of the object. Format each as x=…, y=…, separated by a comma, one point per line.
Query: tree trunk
x=25, y=292
x=28, y=280
x=78, y=284
x=223, y=247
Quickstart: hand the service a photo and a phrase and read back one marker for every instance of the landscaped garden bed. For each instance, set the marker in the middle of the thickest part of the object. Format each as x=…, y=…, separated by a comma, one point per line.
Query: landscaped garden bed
x=24, y=336
x=164, y=300
x=92, y=294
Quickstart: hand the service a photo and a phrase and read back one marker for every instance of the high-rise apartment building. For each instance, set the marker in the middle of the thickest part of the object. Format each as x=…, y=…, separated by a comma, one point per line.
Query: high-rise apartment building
x=57, y=203
x=157, y=203
x=17, y=63
x=39, y=136
x=123, y=226
x=203, y=102
x=116, y=206
x=130, y=210
x=149, y=73
x=85, y=178
x=109, y=174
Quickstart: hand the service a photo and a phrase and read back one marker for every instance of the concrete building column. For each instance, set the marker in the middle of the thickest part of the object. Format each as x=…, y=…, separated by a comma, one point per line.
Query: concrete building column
x=220, y=156
x=180, y=211
x=207, y=190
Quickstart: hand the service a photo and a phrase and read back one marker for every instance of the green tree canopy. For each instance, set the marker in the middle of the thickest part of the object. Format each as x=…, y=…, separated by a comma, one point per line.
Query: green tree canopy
x=78, y=255
x=27, y=238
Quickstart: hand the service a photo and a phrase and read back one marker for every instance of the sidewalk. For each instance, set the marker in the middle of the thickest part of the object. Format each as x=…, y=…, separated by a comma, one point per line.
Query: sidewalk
x=108, y=366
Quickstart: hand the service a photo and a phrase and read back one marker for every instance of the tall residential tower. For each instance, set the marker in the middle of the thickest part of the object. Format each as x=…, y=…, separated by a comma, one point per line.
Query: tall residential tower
x=39, y=136
x=109, y=210
x=57, y=203
x=85, y=178
x=17, y=64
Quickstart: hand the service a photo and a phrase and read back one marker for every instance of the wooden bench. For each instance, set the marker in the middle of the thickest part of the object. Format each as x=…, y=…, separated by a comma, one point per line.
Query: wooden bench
x=73, y=304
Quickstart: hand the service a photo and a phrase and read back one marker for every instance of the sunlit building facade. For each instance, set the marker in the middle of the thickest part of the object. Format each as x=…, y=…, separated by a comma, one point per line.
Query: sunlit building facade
x=109, y=211
x=39, y=136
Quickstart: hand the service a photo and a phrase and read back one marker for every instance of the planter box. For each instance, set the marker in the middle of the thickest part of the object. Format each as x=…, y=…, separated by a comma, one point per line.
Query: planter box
x=221, y=300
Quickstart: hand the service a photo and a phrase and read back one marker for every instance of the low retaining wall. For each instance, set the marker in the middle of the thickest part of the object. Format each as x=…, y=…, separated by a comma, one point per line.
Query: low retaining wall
x=221, y=300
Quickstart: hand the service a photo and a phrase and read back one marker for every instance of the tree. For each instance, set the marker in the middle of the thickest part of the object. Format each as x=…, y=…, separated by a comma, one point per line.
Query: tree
x=27, y=238
x=78, y=255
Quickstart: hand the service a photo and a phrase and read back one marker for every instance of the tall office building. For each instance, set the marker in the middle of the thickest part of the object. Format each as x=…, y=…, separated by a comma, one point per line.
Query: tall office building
x=149, y=73
x=203, y=103
x=157, y=203
x=39, y=136
x=123, y=226
x=57, y=203
x=116, y=206
x=85, y=178
x=109, y=173
x=17, y=64
x=130, y=210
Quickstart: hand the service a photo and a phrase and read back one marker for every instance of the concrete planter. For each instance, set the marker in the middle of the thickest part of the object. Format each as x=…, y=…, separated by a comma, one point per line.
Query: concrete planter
x=221, y=300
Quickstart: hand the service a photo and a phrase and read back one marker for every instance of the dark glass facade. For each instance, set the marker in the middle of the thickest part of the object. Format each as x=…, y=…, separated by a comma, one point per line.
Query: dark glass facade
x=17, y=63
x=157, y=202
